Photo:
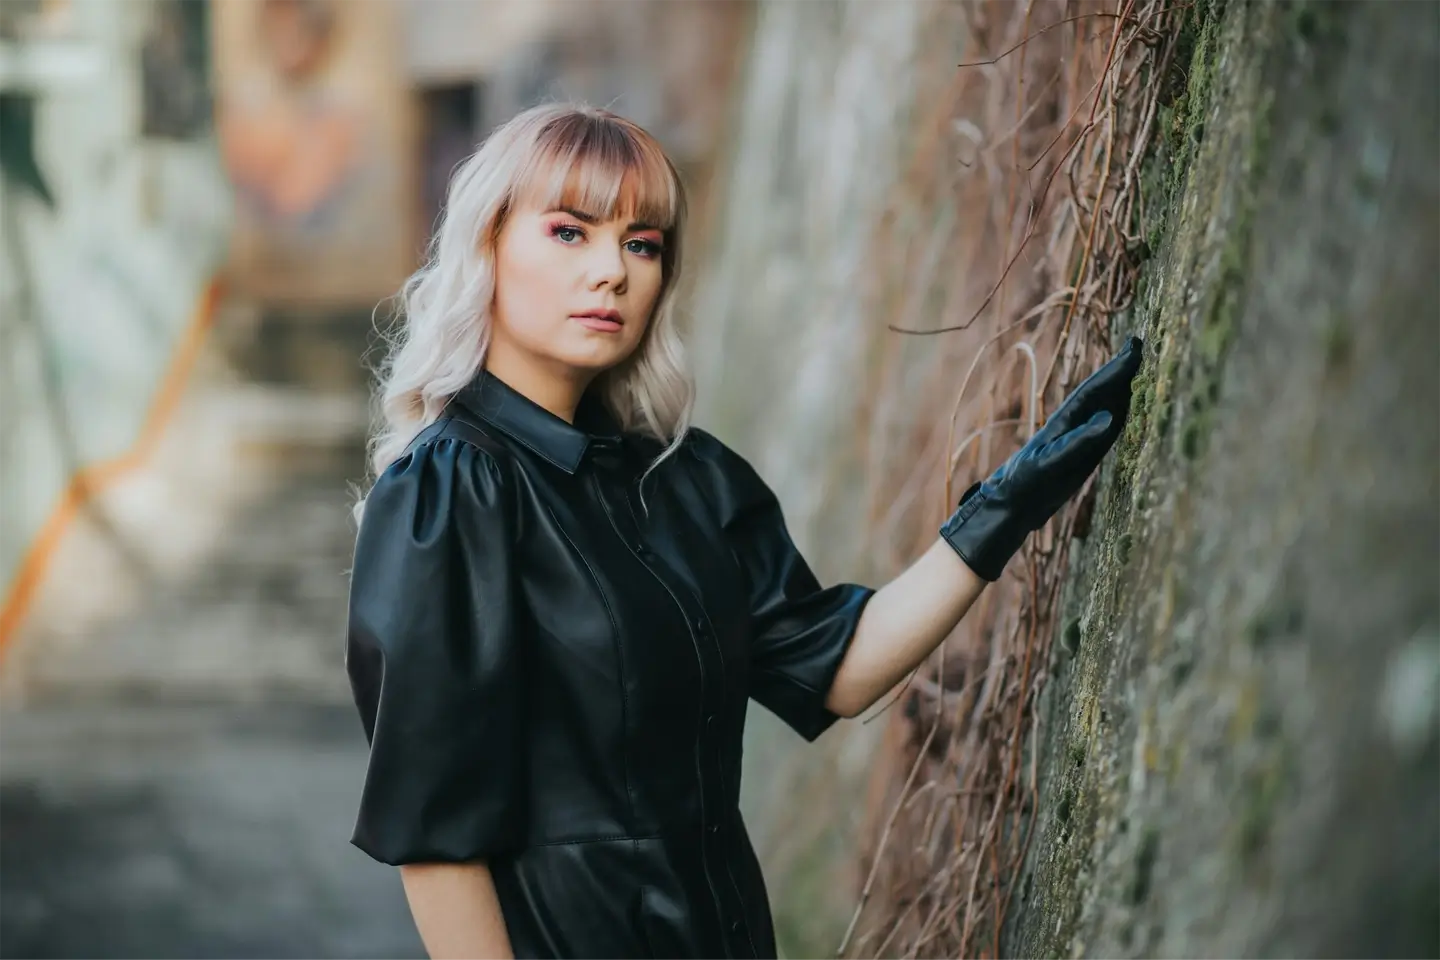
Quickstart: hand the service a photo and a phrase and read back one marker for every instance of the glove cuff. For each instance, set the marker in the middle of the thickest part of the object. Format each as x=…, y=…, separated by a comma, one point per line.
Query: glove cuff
x=984, y=533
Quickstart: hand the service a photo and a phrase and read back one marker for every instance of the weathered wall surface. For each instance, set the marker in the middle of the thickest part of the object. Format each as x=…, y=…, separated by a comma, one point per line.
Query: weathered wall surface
x=781, y=325
x=1241, y=747
x=784, y=341
x=1239, y=741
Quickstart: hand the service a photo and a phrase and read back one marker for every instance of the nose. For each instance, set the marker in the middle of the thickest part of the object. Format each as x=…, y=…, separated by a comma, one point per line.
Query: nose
x=606, y=268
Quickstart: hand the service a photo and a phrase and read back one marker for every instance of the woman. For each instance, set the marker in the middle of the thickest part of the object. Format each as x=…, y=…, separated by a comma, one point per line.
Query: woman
x=563, y=595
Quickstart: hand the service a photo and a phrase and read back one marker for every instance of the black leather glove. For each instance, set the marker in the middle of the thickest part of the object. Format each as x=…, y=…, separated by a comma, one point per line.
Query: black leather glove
x=996, y=514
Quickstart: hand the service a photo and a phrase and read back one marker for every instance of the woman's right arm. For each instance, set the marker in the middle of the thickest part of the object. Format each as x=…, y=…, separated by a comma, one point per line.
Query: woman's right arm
x=435, y=659
x=456, y=910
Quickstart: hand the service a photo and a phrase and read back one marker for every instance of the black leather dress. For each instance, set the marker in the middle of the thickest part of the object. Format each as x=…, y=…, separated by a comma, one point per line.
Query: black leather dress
x=554, y=680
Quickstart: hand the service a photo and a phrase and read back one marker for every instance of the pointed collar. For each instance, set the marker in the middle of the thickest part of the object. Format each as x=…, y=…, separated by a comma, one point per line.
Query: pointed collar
x=563, y=444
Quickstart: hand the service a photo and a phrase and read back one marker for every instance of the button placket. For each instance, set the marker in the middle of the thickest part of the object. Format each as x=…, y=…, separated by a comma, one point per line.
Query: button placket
x=712, y=669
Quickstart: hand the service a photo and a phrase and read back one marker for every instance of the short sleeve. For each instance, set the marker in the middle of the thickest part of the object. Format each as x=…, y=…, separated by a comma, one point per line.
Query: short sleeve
x=800, y=631
x=435, y=663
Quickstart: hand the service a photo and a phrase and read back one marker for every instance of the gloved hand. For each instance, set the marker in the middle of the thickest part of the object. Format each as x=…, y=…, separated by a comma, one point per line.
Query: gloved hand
x=996, y=514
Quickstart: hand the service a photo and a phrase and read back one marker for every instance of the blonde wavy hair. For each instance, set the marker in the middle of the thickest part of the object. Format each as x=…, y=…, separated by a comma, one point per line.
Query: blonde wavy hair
x=560, y=155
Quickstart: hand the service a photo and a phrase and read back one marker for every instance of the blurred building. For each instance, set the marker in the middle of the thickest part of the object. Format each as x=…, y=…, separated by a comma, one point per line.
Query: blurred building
x=340, y=122
x=294, y=154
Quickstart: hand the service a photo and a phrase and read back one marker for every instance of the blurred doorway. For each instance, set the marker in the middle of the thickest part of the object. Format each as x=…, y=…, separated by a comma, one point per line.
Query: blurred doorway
x=451, y=127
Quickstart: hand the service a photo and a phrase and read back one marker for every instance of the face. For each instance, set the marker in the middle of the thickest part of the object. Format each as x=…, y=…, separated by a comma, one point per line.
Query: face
x=573, y=293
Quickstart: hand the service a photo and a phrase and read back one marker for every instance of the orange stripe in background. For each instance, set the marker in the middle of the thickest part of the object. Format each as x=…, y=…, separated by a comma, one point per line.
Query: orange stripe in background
x=90, y=481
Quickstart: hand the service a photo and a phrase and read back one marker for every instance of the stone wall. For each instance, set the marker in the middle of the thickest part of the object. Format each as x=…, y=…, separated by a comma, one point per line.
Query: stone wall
x=792, y=357
x=1238, y=743
x=1241, y=743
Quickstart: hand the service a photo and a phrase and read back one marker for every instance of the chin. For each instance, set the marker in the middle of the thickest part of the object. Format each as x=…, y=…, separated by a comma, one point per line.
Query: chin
x=576, y=349
x=595, y=351
x=595, y=360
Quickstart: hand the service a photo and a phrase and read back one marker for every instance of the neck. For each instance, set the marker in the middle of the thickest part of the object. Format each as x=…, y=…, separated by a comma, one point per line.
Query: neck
x=558, y=391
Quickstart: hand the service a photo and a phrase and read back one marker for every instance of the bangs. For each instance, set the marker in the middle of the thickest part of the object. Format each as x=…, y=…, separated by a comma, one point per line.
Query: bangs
x=605, y=168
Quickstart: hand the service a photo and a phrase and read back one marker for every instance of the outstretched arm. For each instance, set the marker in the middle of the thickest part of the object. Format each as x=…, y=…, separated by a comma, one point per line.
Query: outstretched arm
x=901, y=625
x=910, y=616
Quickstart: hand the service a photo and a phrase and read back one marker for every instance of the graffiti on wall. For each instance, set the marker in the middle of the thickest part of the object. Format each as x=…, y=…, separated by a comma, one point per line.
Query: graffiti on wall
x=99, y=311
x=290, y=143
x=310, y=120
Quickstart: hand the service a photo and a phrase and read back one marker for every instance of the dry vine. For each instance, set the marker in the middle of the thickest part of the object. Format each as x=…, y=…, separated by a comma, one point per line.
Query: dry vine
x=1047, y=204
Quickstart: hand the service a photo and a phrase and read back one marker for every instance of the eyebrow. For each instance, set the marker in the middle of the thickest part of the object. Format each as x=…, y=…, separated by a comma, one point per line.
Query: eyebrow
x=591, y=218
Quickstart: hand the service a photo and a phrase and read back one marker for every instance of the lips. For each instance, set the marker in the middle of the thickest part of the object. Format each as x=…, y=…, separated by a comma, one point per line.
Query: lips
x=603, y=321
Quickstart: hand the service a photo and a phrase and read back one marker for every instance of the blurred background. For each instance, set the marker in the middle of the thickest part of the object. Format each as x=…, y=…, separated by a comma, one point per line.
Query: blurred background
x=1138, y=745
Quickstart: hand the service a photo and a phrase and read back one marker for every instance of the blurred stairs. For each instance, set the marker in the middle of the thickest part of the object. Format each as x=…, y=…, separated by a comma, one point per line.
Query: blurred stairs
x=257, y=611
x=181, y=780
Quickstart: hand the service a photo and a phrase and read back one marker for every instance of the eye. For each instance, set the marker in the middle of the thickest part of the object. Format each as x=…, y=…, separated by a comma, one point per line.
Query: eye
x=642, y=247
x=566, y=233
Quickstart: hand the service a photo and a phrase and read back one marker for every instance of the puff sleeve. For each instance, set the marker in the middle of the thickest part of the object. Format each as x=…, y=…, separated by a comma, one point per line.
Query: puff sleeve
x=799, y=631
x=434, y=661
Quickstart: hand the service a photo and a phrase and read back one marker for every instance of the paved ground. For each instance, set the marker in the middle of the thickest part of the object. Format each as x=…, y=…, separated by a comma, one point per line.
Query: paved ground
x=189, y=831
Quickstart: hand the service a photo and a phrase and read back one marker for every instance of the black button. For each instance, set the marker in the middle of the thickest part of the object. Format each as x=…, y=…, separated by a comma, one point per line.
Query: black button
x=734, y=926
x=714, y=828
x=700, y=625
x=605, y=453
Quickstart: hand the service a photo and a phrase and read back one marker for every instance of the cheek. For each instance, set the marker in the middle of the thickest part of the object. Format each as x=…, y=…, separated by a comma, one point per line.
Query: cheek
x=527, y=293
x=646, y=285
x=645, y=289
